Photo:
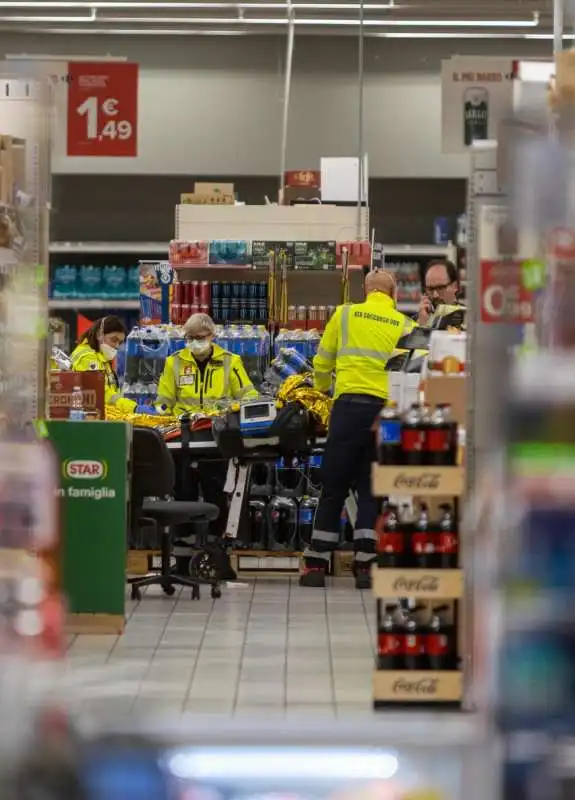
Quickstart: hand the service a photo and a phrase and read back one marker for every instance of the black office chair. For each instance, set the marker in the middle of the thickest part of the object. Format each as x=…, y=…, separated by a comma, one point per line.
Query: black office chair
x=154, y=476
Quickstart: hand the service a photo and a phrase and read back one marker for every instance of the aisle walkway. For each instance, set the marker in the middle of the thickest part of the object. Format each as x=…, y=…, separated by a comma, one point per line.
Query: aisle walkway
x=268, y=648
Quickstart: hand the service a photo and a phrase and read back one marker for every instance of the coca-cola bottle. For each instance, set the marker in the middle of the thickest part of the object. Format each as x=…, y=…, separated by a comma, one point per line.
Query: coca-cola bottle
x=390, y=541
x=451, y=424
x=413, y=436
x=413, y=628
x=422, y=543
x=406, y=524
x=389, y=448
x=448, y=539
x=439, y=640
x=390, y=638
x=438, y=433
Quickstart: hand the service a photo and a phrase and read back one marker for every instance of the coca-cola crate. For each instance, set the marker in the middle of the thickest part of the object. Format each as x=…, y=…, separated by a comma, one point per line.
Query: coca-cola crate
x=441, y=584
x=266, y=563
x=418, y=481
x=417, y=687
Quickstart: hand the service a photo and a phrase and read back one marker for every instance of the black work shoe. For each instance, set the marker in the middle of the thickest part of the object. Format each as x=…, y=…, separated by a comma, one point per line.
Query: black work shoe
x=313, y=577
x=362, y=577
x=224, y=569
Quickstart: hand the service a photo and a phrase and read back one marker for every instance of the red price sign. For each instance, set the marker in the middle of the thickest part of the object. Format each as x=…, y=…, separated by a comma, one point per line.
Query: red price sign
x=103, y=109
x=503, y=296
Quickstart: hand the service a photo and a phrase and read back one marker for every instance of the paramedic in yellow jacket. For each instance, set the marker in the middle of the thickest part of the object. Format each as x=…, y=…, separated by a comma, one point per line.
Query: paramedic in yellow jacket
x=201, y=374
x=195, y=378
x=357, y=343
x=96, y=351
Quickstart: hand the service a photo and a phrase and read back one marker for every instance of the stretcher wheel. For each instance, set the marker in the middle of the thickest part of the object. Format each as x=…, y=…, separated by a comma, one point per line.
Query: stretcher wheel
x=135, y=593
x=169, y=589
x=195, y=592
x=215, y=592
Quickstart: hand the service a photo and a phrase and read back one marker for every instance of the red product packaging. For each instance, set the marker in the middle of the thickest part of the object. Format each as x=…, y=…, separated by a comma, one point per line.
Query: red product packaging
x=389, y=539
x=178, y=292
x=205, y=293
x=195, y=308
x=176, y=313
x=195, y=289
x=186, y=313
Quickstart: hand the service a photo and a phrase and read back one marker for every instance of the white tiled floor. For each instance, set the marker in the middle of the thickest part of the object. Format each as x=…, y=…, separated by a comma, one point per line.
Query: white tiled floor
x=268, y=648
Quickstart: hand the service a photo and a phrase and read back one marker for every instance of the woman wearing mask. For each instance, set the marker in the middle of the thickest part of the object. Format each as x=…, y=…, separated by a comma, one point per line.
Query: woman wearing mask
x=97, y=350
x=194, y=379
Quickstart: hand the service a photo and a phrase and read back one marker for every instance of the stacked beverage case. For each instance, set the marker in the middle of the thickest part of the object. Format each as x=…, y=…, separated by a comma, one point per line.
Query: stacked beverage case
x=225, y=301
x=418, y=638
x=421, y=436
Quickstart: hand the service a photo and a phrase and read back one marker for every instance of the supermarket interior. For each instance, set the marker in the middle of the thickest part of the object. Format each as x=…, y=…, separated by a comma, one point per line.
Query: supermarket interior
x=286, y=299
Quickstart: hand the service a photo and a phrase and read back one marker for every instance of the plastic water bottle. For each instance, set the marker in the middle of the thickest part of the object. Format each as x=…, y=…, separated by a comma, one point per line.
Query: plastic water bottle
x=77, y=411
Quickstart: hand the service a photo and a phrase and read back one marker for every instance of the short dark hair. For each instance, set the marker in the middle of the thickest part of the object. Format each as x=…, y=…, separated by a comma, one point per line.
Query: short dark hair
x=451, y=269
x=109, y=324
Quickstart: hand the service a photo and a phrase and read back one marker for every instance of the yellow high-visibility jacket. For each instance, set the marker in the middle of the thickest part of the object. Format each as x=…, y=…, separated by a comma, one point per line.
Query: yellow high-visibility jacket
x=357, y=343
x=86, y=359
x=183, y=388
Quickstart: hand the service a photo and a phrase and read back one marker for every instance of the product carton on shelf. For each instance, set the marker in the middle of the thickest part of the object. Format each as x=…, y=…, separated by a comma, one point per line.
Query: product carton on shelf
x=60, y=393
x=434, y=584
x=13, y=167
x=450, y=389
x=418, y=481
x=407, y=686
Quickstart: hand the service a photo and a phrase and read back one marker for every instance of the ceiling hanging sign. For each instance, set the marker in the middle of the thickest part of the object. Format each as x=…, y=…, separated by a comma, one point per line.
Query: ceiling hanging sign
x=102, y=117
x=476, y=94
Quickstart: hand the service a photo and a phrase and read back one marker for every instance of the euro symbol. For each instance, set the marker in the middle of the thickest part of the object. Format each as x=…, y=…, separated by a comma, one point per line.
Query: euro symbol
x=110, y=107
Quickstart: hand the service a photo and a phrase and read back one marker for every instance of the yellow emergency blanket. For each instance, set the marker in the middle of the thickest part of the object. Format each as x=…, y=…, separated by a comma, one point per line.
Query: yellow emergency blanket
x=298, y=389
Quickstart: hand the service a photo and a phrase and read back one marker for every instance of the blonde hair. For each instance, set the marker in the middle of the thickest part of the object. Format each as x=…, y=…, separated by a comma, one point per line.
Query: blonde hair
x=199, y=324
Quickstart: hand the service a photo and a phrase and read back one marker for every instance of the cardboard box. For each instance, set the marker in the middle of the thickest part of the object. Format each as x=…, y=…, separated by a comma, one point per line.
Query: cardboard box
x=60, y=393
x=214, y=188
x=450, y=389
x=261, y=253
x=418, y=481
x=402, y=686
x=299, y=178
x=13, y=165
x=343, y=563
x=314, y=255
x=217, y=199
x=438, y=584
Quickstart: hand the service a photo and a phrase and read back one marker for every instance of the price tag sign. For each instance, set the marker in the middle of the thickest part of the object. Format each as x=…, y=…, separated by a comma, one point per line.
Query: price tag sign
x=504, y=296
x=103, y=109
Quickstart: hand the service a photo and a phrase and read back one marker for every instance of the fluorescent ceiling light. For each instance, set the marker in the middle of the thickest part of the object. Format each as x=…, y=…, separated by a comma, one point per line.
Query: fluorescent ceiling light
x=63, y=18
x=548, y=36
x=370, y=23
x=450, y=35
x=233, y=763
x=38, y=4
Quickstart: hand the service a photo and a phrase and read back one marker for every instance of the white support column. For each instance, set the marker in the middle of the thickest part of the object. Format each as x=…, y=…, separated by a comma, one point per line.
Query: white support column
x=558, y=15
x=287, y=91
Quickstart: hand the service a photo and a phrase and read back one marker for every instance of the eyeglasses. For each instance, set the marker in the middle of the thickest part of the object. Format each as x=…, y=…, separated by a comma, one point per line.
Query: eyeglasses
x=440, y=288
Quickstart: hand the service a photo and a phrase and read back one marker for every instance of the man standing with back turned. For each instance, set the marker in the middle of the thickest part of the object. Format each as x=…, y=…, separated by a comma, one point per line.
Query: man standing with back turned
x=357, y=343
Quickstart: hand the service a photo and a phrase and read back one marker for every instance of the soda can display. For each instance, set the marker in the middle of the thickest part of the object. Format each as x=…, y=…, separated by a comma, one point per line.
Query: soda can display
x=176, y=313
x=322, y=314
x=301, y=313
x=205, y=308
x=205, y=294
x=195, y=292
x=178, y=293
x=216, y=293
x=216, y=310
x=187, y=296
x=195, y=308
x=186, y=312
x=244, y=309
x=312, y=313
x=253, y=289
x=291, y=314
x=235, y=289
x=225, y=312
x=226, y=289
x=243, y=289
x=263, y=290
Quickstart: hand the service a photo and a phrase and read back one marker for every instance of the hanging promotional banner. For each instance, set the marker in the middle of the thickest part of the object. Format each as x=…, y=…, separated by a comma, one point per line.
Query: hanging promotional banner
x=476, y=93
x=503, y=293
x=102, y=116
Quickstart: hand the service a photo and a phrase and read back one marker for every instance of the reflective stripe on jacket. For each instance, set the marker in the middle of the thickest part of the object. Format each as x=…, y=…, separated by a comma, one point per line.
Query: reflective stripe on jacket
x=86, y=359
x=357, y=343
x=183, y=387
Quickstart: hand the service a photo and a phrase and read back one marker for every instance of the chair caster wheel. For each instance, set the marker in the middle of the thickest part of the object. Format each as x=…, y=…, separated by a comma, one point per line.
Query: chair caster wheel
x=169, y=589
x=135, y=593
x=216, y=593
x=195, y=592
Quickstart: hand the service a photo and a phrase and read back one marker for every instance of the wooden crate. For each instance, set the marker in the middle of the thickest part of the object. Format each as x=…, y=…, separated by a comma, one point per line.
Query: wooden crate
x=418, y=481
x=140, y=562
x=343, y=563
x=421, y=583
x=266, y=563
x=97, y=624
x=417, y=686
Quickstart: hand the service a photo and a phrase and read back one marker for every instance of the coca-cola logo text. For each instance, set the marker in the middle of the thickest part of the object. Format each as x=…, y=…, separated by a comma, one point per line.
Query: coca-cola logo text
x=426, y=583
x=424, y=687
x=427, y=480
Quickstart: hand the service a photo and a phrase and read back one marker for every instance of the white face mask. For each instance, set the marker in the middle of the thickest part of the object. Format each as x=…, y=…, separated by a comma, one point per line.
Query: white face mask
x=108, y=351
x=199, y=347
